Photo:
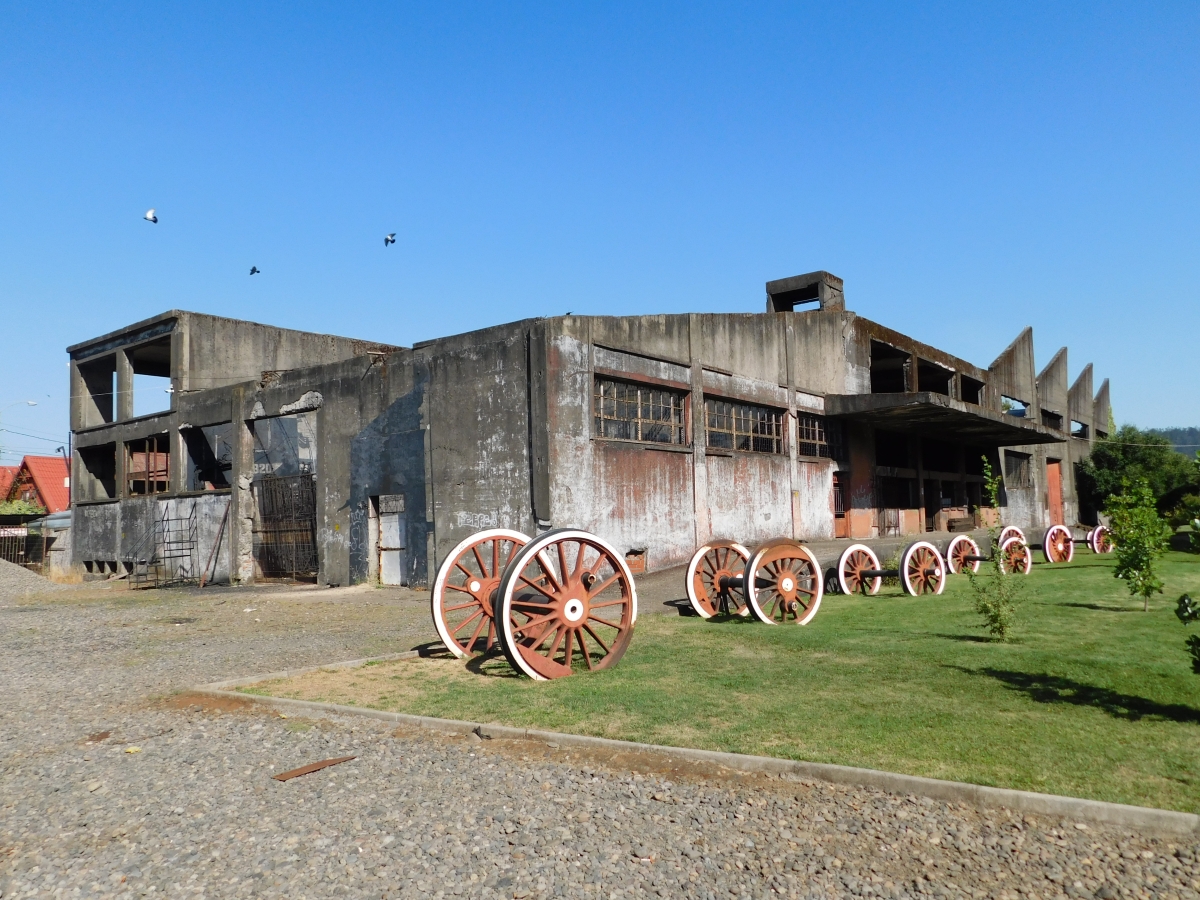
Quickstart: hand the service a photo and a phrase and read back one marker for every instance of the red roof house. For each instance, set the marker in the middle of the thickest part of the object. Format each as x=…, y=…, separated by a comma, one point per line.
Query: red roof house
x=7, y=475
x=44, y=480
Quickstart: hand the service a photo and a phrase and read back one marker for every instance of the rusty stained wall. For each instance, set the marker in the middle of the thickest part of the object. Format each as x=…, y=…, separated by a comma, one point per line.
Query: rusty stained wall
x=1012, y=374
x=1053, y=397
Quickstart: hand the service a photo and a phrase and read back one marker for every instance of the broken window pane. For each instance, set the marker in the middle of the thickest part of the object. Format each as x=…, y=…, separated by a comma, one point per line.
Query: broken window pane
x=637, y=412
x=210, y=456
x=285, y=445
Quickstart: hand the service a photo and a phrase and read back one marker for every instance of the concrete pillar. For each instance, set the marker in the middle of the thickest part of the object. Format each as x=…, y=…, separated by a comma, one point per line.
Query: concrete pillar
x=124, y=386
x=703, y=521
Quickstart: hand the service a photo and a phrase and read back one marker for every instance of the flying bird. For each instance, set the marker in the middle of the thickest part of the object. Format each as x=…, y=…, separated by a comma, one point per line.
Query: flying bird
x=389, y=239
x=254, y=270
x=150, y=216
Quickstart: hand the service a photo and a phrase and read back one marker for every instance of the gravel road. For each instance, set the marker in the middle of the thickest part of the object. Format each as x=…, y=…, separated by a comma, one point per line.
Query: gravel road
x=112, y=783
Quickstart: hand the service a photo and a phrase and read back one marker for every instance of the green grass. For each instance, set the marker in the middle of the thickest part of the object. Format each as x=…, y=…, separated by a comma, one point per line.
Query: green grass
x=1092, y=698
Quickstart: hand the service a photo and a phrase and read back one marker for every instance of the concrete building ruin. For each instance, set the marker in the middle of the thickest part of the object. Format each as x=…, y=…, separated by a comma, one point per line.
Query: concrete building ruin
x=285, y=454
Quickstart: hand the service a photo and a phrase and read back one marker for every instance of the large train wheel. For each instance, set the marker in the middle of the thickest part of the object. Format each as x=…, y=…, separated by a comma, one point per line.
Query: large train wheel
x=783, y=583
x=958, y=551
x=922, y=569
x=855, y=559
x=465, y=590
x=713, y=562
x=1100, y=540
x=1015, y=557
x=566, y=602
x=1058, y=545
x=1011, y=531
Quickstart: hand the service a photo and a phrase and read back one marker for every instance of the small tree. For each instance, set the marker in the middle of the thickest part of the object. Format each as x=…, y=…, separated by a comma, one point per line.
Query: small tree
x=21, y=508
x=1188, y=612
x=998, y=595
x=1140, y=537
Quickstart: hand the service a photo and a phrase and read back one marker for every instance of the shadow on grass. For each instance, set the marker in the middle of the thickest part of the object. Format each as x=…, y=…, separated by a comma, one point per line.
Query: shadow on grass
x=1056, y=689
x=967, y=638
x=1121, y=609
x=492, y=664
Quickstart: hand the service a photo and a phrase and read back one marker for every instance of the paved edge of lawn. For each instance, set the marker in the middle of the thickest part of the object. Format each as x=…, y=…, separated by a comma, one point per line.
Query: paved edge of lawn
x=980, y=796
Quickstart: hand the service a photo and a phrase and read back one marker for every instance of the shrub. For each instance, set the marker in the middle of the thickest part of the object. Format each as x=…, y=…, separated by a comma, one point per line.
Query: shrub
x=21, y=508
x=1140, y=537
x=1188, y=612
x=997, y=594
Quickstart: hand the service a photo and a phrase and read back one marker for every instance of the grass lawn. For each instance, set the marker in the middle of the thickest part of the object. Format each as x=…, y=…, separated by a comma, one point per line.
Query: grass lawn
x=1093, y=697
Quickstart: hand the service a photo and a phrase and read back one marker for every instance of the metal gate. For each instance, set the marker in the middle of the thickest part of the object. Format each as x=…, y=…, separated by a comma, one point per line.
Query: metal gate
x=285, y=529
x=18, y=545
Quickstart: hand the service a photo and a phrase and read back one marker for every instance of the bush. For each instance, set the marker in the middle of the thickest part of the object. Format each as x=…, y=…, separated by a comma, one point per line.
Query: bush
x=1140, y=537
x=1188, y=612
x=997, y=594
x=1132, y=455
x=20, y=508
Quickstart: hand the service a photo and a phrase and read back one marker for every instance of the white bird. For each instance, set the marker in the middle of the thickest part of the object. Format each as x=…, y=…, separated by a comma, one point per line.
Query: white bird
x=389, y=239
x=254, y=270
x=150, y=216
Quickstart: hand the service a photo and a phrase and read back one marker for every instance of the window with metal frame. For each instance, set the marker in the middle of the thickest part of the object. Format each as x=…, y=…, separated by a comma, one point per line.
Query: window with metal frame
x=817, y=436
x=628, y=411
x=1017, y=471
x=741, y=426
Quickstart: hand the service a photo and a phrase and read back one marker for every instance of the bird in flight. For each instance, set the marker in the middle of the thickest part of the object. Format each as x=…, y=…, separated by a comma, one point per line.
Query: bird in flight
x=254, y=270
x=389, y=239
x=150, y=216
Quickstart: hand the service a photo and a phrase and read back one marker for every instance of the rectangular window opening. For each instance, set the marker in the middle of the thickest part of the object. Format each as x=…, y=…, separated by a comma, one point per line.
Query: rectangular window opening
x=210, y=456
x=971, y=390
x=1017, y=470
x=934, y=378
x=817, y=436
x=151, y=364
x=891, y=450
x=99, y=472
x=1011, y=406
x=285, y=445
x=99, y=388
x=742, y=426
x=890, y=369
x=148, y=465
x=1079, y=430
x=628, y=411
x=1052, y=420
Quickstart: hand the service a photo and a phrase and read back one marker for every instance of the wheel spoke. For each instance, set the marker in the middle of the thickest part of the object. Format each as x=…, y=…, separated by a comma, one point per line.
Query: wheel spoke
x=459, y=606
x=463, y=623
x=458, y=564
x=547, y=571
x=594, y=592
x=455, y=587
x=495, y=557
x=595, y=637
x=587, y=657
x=478, y=628
x=570, y=634
x=604, y=622
x=539, y=588
x=607, y=603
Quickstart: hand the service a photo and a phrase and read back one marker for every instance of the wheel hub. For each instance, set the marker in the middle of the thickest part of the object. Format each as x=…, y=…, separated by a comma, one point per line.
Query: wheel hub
x=573, y=610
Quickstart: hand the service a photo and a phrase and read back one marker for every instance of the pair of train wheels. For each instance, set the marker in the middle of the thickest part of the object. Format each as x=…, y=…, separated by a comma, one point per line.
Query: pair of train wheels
x=1015, y=556
x=922, y=570
x=557, y=604
x=778, y=584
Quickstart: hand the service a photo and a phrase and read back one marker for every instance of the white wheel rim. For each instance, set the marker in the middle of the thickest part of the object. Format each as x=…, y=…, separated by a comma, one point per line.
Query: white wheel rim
x=841, y=569
x=694, y=565
x=962, y=539
x=504, y=630
x=1011, y=531
x=939, y=571
x=443, y=576
x=1028, y=555
x=751, y=592
x=1048, y=540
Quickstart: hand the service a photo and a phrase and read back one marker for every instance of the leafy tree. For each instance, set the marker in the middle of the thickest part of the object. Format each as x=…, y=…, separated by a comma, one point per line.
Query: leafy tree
x=1130, y=455
x=998, y=594
x=1188, y=612
x=1140, y=537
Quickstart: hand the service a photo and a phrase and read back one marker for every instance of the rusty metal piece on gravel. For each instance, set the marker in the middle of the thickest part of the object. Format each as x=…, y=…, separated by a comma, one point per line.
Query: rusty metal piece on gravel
x=566, y=602
x=312, y=767
x=1099, y=539
x=1057, y=544
x=963, y=553
x=714, y=579
x=1015, y=557
x=464, y=593
x=922, y=569
x=783, y=583
x=855, y=561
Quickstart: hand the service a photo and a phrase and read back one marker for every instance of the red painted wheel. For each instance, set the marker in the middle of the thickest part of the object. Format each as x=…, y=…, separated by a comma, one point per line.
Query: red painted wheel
x=465, y=590
x=922, y=569
x=1015, y=558
x=1011, y=531
x=713, y=562
x=958, y=551
x=1058, y=546
x=566, y=602
x=783, y=584
x=1100, y=540
x=855, y=559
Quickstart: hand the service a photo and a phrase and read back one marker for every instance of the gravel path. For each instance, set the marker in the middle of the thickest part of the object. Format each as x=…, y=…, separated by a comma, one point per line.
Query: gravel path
x=113, y=785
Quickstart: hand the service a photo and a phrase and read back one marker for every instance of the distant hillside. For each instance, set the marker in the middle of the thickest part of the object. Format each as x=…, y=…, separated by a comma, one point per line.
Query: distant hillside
x=1185, y=440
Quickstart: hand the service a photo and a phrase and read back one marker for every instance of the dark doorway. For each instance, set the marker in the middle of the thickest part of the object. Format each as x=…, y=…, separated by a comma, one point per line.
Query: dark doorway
x=285, y=529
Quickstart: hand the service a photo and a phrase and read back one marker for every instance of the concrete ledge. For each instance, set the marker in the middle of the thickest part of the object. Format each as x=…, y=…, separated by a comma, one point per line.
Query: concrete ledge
x=1140, y=818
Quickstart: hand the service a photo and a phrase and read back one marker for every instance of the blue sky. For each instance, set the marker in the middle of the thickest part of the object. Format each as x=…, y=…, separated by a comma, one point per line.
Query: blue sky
x=967, y=169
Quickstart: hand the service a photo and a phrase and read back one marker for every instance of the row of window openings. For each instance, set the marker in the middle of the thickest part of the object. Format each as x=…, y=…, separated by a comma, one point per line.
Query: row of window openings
x=282, y=446
x=1020, y=409
x=896, y=371
x=634, y=412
